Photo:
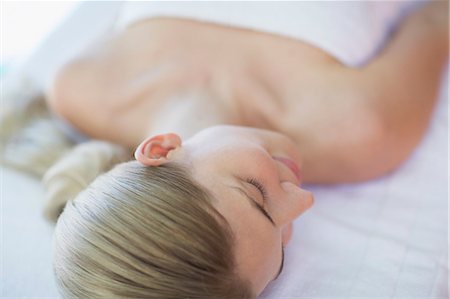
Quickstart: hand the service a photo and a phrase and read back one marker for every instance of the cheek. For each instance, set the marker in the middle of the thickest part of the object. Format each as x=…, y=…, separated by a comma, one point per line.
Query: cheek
x=286, y=234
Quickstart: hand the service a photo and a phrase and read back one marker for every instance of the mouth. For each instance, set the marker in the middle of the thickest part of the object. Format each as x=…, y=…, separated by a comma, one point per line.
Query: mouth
x=292, y=166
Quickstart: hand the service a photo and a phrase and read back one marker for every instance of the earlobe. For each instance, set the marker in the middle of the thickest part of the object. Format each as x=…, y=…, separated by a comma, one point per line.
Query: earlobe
x=155, y=151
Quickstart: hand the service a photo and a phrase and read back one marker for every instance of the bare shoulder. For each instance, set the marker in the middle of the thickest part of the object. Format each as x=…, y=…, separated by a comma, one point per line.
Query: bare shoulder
x=106, y=90
x=328, y=112
x=357, y=124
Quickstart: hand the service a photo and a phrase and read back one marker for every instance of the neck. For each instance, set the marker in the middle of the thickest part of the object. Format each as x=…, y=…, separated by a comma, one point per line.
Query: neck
x=188, y=114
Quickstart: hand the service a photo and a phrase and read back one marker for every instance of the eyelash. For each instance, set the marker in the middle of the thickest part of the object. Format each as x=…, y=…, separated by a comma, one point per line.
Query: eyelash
x=260, y=187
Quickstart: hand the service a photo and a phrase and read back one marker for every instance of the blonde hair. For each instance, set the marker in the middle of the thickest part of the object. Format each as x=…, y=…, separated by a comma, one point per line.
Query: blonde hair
x=135, y=232
x=145, y=232
x=30, y=140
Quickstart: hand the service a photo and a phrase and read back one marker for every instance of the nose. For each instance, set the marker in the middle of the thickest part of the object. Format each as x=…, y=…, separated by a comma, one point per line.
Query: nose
x=294, y=203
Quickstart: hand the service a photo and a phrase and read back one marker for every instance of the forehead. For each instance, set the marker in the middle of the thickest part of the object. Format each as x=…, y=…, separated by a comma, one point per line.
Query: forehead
x=219, y=160
x=225, y=166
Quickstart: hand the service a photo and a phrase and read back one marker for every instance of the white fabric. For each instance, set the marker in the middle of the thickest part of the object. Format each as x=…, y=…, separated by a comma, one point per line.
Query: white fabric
x=386, y=238
x=351, y=31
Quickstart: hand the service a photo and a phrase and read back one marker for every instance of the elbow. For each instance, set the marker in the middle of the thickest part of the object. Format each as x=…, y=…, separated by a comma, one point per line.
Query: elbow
x=383, y=149
x=396, y=149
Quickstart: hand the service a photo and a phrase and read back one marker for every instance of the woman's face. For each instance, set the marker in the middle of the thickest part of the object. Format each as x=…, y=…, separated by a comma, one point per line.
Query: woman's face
x=252, y=174
x=257, y=191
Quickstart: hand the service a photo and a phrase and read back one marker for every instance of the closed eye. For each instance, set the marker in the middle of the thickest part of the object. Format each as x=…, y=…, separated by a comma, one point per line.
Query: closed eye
x=264, y=195
x=260, y=187
x=251, y=200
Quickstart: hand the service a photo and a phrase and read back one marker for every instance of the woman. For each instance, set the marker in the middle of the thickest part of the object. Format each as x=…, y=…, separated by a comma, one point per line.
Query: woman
x=226, y=123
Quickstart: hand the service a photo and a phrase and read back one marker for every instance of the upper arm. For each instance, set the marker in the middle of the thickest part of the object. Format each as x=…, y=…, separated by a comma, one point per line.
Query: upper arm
x=359, y=125
x=403, y=84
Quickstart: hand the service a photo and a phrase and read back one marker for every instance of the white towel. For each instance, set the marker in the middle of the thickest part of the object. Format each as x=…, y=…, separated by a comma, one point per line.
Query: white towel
x=351, y=31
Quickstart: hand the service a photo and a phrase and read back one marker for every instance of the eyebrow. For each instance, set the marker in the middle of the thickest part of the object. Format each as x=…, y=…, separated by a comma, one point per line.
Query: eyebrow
x=255, y=204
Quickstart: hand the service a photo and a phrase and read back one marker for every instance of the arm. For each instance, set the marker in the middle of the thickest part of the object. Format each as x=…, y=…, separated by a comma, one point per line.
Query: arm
x=404, y=80
x=380, y=112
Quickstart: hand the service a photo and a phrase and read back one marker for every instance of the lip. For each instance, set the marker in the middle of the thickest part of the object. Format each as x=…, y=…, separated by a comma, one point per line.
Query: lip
x=291, y=165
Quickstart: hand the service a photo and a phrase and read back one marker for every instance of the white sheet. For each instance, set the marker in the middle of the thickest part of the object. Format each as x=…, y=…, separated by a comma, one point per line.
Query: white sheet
x=386, y=238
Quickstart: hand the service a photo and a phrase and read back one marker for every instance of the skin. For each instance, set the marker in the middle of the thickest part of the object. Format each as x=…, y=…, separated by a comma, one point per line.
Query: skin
x=349, y=124
x=339, y=124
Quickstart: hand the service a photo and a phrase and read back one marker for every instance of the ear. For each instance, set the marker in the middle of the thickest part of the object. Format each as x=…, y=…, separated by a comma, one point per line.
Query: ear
x=155, y=151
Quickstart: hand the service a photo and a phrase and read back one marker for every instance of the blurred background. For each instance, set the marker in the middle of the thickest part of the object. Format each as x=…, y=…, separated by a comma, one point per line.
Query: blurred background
x=24, y=24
